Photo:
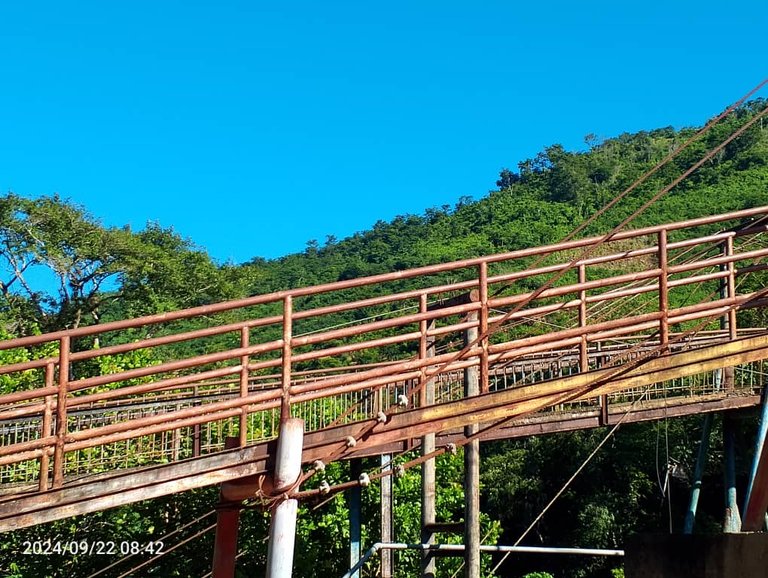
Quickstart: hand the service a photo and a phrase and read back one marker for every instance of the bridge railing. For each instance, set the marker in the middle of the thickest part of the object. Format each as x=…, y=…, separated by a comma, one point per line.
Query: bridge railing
x=344, y=351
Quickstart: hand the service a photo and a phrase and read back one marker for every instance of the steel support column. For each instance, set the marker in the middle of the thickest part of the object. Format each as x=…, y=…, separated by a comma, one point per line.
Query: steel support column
x=701, y=462
x=732, y=523
x=282, y=531
x=225, y=544
x=472, y=473
x=227, y=521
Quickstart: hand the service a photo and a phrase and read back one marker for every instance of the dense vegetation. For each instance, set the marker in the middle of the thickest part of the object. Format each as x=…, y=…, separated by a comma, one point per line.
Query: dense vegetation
x=61, y=268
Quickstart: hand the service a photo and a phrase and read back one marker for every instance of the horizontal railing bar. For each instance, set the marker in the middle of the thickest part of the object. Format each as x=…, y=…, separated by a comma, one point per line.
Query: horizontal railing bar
x=150, y=387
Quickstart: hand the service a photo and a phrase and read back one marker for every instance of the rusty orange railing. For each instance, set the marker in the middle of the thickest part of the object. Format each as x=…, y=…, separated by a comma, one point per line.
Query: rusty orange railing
x=373, y=342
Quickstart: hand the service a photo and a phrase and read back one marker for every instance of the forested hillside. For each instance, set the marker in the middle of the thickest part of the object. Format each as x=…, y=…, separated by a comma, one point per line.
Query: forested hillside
x=60, y=268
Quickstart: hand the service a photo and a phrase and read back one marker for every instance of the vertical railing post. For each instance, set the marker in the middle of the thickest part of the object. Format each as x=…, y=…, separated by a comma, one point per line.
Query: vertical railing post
x=583, y=346
x=728, y=322
x=285, y=406
x=732, y=329
x=663, y=290
x=46, y=428
x=244, y=374
x=61, y=412
x=484, y=368
x=196, y=430
x=584, y=343
x=471, y=471
x=428, y=475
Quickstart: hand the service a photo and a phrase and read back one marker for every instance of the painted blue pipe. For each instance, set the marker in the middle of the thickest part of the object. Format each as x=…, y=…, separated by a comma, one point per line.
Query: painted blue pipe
x=701, y=462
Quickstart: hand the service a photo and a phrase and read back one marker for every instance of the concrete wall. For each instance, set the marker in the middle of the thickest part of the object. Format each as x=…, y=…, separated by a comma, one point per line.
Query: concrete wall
x=674, y=556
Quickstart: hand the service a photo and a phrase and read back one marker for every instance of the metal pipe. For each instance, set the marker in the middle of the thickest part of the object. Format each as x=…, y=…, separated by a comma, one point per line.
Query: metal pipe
x=731, y=286
x=154, y=387
x=484, y=315
x=194, y=411
x=701, y=461
x=245, y=336
x=46, y=434
x=282, y=530
x=483, y=548
x=61, y=412
x=663, y=289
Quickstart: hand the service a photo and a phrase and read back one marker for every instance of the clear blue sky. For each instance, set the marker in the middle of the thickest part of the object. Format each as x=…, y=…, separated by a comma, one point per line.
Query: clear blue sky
x=252, y=127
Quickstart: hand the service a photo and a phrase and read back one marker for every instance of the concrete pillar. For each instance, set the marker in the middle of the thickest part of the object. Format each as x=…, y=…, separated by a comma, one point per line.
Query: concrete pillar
x=732, y=521
x=282, y=530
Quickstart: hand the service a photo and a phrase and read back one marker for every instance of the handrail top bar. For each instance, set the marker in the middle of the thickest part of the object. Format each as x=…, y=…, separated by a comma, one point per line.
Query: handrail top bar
x=278, y=296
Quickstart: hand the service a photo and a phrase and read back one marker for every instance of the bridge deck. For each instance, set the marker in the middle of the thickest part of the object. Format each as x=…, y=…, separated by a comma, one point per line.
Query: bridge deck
x=245, y=465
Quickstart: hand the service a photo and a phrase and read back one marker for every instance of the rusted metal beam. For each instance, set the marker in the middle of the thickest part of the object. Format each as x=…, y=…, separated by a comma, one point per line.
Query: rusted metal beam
x=128, y=486
x=242, y=467
x=227, y=522
x=61, y=412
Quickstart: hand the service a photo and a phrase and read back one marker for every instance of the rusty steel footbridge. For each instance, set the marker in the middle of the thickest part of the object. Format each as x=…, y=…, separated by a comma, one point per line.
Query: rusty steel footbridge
x=657, y=322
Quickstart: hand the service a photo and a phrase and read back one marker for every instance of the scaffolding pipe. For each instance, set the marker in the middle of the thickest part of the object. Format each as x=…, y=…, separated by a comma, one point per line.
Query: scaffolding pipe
x=459, y=548
x=282, y=531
